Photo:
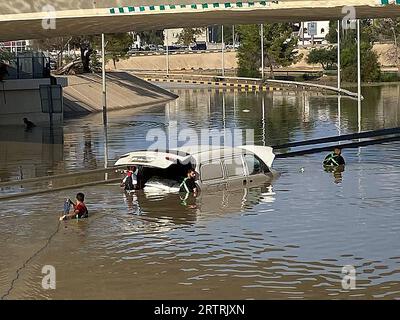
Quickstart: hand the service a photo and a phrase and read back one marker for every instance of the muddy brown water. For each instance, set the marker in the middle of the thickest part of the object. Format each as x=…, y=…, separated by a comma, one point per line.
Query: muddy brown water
x=248, y=243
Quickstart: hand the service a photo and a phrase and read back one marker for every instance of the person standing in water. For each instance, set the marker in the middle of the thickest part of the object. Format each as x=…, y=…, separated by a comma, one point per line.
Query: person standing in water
x=334, y=159
x=80, y=209
x=29, y=124
x=130, y=181
x=188, y=185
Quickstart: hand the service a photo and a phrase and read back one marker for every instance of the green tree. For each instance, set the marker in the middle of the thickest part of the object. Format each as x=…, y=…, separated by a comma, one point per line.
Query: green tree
x=327, y=57
x=118, y=45
x=152, y=37
x=249, y=51
x=188, y=35
x=279, y=48
x=331, y=36
x=370, y=68
x=6, y=56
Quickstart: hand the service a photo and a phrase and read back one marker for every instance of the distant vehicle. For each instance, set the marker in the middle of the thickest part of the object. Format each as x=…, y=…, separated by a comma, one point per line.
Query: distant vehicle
x=152, y=47
x=160, y=47
x=217, y=167
x=133, y=50
x=200, y=45
x=174, y=48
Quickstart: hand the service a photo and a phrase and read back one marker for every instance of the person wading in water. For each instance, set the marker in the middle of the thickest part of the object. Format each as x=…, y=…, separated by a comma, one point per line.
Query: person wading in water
x=334, y=159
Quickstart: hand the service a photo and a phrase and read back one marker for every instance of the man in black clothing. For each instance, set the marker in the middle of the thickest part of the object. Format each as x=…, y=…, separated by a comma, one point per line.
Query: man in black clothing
x=29, y=124
x=335, y=158
x=189, y=183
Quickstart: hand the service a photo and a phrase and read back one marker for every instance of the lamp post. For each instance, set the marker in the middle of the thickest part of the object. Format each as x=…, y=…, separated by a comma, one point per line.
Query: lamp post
x=359, y=75
x=104, y=95
x=223, y=50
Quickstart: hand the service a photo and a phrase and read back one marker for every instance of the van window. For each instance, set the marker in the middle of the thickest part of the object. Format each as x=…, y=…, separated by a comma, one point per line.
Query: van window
x=234, y=167
x=211, y=171
x=255, y=165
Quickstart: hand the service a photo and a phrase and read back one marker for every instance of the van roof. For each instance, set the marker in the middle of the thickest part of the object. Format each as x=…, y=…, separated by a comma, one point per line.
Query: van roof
x=165, y=158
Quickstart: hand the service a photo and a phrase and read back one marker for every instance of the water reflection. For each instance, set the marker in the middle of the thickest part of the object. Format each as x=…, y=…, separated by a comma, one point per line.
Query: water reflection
x=30, y=154
x=187, y=209
x=337, y=173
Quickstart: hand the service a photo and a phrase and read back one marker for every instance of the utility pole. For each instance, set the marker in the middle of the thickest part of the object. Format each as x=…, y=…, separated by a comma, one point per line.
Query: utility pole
x=103, y=57
x=233, y=37
x=338, y=56
x=397, y=50
x=359, y=75
x=223, y=50
x=167, y=38
x=262, y=51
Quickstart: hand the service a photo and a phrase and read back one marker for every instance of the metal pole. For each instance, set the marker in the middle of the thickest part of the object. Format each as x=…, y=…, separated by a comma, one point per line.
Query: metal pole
x=264, y=131
x=233, y=37
x=103, y=57
x=302, y=32
x=224, y=116
x=167, y=37
x=338, y=56
x=339, y=125
x=262, y=51
x=105, y=152
x=339, y=78
x=397, y=54
x=223, y=50
x=359, y=75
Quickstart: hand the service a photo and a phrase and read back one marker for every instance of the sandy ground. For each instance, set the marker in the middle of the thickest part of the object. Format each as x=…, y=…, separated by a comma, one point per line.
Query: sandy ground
x=181, y=62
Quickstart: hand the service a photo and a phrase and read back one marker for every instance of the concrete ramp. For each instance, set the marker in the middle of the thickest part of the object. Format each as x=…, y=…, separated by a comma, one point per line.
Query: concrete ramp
x=84, y=93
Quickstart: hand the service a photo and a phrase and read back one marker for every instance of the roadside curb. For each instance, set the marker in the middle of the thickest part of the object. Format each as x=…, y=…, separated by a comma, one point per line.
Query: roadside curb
x=224, y=85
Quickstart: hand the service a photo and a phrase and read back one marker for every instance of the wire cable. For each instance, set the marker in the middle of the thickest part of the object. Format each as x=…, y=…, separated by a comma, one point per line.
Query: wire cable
x=25, y=264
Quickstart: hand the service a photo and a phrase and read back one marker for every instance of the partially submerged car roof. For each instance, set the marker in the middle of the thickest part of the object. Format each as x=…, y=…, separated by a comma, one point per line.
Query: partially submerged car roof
x=266, y=154
x=165, y=158
x=158, y=158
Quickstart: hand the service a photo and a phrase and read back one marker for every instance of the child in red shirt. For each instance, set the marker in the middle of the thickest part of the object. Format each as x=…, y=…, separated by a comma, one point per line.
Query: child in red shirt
x=80, y=210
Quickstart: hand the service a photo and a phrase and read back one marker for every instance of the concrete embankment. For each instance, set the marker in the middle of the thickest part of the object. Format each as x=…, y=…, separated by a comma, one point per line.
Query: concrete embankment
x=193, y=61
x=84, y=93
x=213, y=61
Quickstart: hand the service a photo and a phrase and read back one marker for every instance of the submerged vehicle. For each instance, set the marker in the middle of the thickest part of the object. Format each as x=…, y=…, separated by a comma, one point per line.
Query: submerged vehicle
x=217, y=168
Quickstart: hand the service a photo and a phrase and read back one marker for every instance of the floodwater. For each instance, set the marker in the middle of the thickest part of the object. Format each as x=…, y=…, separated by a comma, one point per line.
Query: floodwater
x=290, y=243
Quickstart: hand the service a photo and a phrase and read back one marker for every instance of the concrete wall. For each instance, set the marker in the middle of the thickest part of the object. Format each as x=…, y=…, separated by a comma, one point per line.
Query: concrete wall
x=84, y=93
x=196, y=61
x=21, y=99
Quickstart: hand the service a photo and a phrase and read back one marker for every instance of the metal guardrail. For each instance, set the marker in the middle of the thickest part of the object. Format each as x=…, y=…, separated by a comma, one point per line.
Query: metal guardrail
x=352, y=136
x=351, y=145
x=66, y=181
x=59, y=176
x=314, y=85
x=255, y=81
x=174, y=52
